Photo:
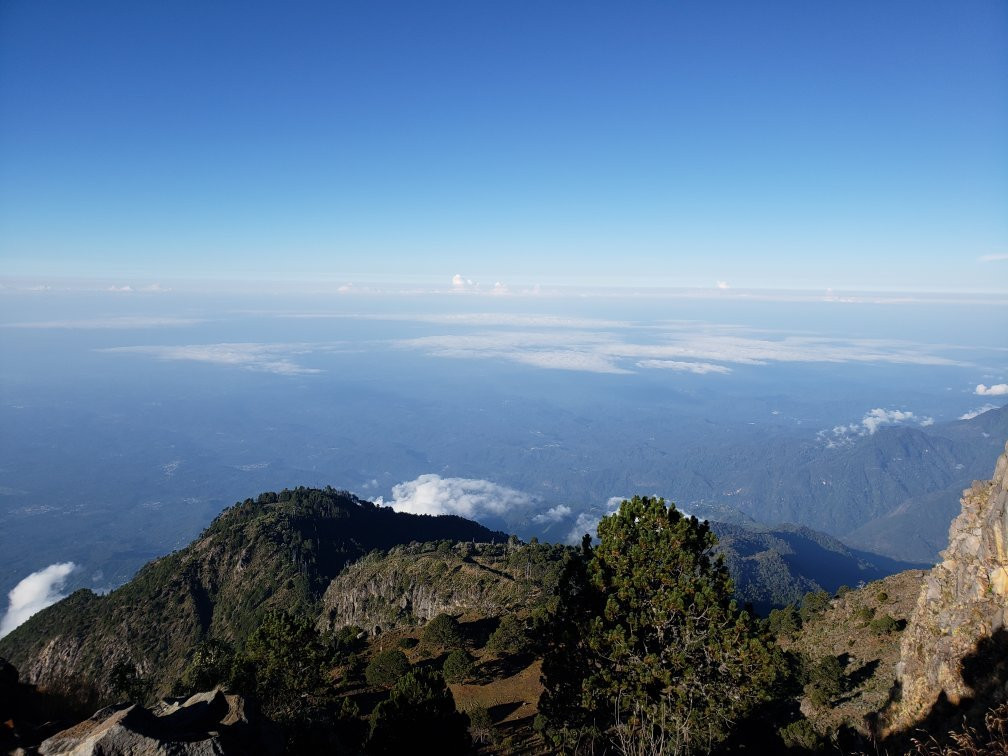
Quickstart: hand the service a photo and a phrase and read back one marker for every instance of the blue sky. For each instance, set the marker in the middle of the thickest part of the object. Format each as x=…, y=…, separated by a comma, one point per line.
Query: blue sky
x=784, y=145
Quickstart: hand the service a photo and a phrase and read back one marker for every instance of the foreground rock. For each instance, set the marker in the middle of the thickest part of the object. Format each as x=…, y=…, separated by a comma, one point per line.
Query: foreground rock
x=954, y=654
x=206, y=723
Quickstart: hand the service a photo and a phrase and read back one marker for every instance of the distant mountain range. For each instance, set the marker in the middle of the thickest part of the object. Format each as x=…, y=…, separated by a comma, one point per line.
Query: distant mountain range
x=892, y=492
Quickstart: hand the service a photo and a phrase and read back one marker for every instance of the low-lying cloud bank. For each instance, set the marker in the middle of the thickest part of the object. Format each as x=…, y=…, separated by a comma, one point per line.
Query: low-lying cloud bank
x=265, y=358
x=690, y=348
x=35, y=593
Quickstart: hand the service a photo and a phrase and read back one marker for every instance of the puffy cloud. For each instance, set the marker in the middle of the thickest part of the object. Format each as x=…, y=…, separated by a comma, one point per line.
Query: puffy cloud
x=869, y=425
x=876, y=418
x=468, y=497
x=554, y=514
x=998, y=389
x=34, y=593
x=722, y=285
x=978, y=411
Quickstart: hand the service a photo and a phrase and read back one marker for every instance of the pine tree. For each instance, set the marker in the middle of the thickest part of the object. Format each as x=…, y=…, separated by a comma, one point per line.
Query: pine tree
x=648, y=651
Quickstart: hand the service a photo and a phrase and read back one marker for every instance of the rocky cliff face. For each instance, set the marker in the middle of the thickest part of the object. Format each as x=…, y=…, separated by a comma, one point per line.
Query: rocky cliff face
x=952, y=650
x=411, y=584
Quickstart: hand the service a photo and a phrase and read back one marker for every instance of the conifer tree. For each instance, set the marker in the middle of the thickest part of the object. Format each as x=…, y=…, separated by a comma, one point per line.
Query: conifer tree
x=649, y=652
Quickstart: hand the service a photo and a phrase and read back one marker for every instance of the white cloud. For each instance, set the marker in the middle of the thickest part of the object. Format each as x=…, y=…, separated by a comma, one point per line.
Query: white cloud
x=993, y=258
x=119, y=323
x=998, y=389
x=554, y=514
x=722, y=285
x=869, y=425
x=34, y=593
x=467, y=497
x=876, y=418
x=587, y=521
x=559, y=360
x=700, y=368
x=978, y=411
x=607, y=350
x=267, y=358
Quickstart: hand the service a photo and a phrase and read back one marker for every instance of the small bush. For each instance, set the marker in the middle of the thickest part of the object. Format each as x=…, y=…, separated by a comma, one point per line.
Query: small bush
x=826, y=681
x=800, y=735
x=386, y=667
x=882, y=597
x=884, y=625
x=442, y=632
x=509, y=637
x=457, y=667
x=814, y=603
x=408, y=642
x=481, y=726
x=784, y=622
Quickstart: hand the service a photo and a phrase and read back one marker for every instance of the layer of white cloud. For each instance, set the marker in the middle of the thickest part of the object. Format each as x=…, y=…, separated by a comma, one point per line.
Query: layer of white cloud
x=610, y=351
x=267, y=358
x=700, y=368
x=120, y=323
x=467, y=497
x=998, y=389
x=35, y=593
x=978, y=411
x=994, y=258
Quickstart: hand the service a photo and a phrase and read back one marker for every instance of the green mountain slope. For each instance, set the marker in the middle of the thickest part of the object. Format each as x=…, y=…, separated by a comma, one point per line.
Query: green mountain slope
x=279, y=551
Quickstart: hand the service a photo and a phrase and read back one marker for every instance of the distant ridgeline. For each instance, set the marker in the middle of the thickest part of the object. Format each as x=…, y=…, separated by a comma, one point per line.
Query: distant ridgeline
x=279, y=551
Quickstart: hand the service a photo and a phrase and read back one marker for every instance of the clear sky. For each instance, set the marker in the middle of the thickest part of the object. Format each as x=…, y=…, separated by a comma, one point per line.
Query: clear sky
x=780, y=144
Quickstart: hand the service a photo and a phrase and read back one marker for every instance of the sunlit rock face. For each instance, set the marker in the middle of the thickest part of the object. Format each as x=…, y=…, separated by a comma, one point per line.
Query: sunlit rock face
x=962, y=610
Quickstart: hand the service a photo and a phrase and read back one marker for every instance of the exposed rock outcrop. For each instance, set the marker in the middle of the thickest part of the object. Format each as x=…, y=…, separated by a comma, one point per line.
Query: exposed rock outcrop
x=412, y=584
x=206, y=723
x=952, y=652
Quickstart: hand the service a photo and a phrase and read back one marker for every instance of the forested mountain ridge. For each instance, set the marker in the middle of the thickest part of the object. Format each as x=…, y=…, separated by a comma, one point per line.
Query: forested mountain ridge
x=279, y=551
x=302, y=551
x=890, y=492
